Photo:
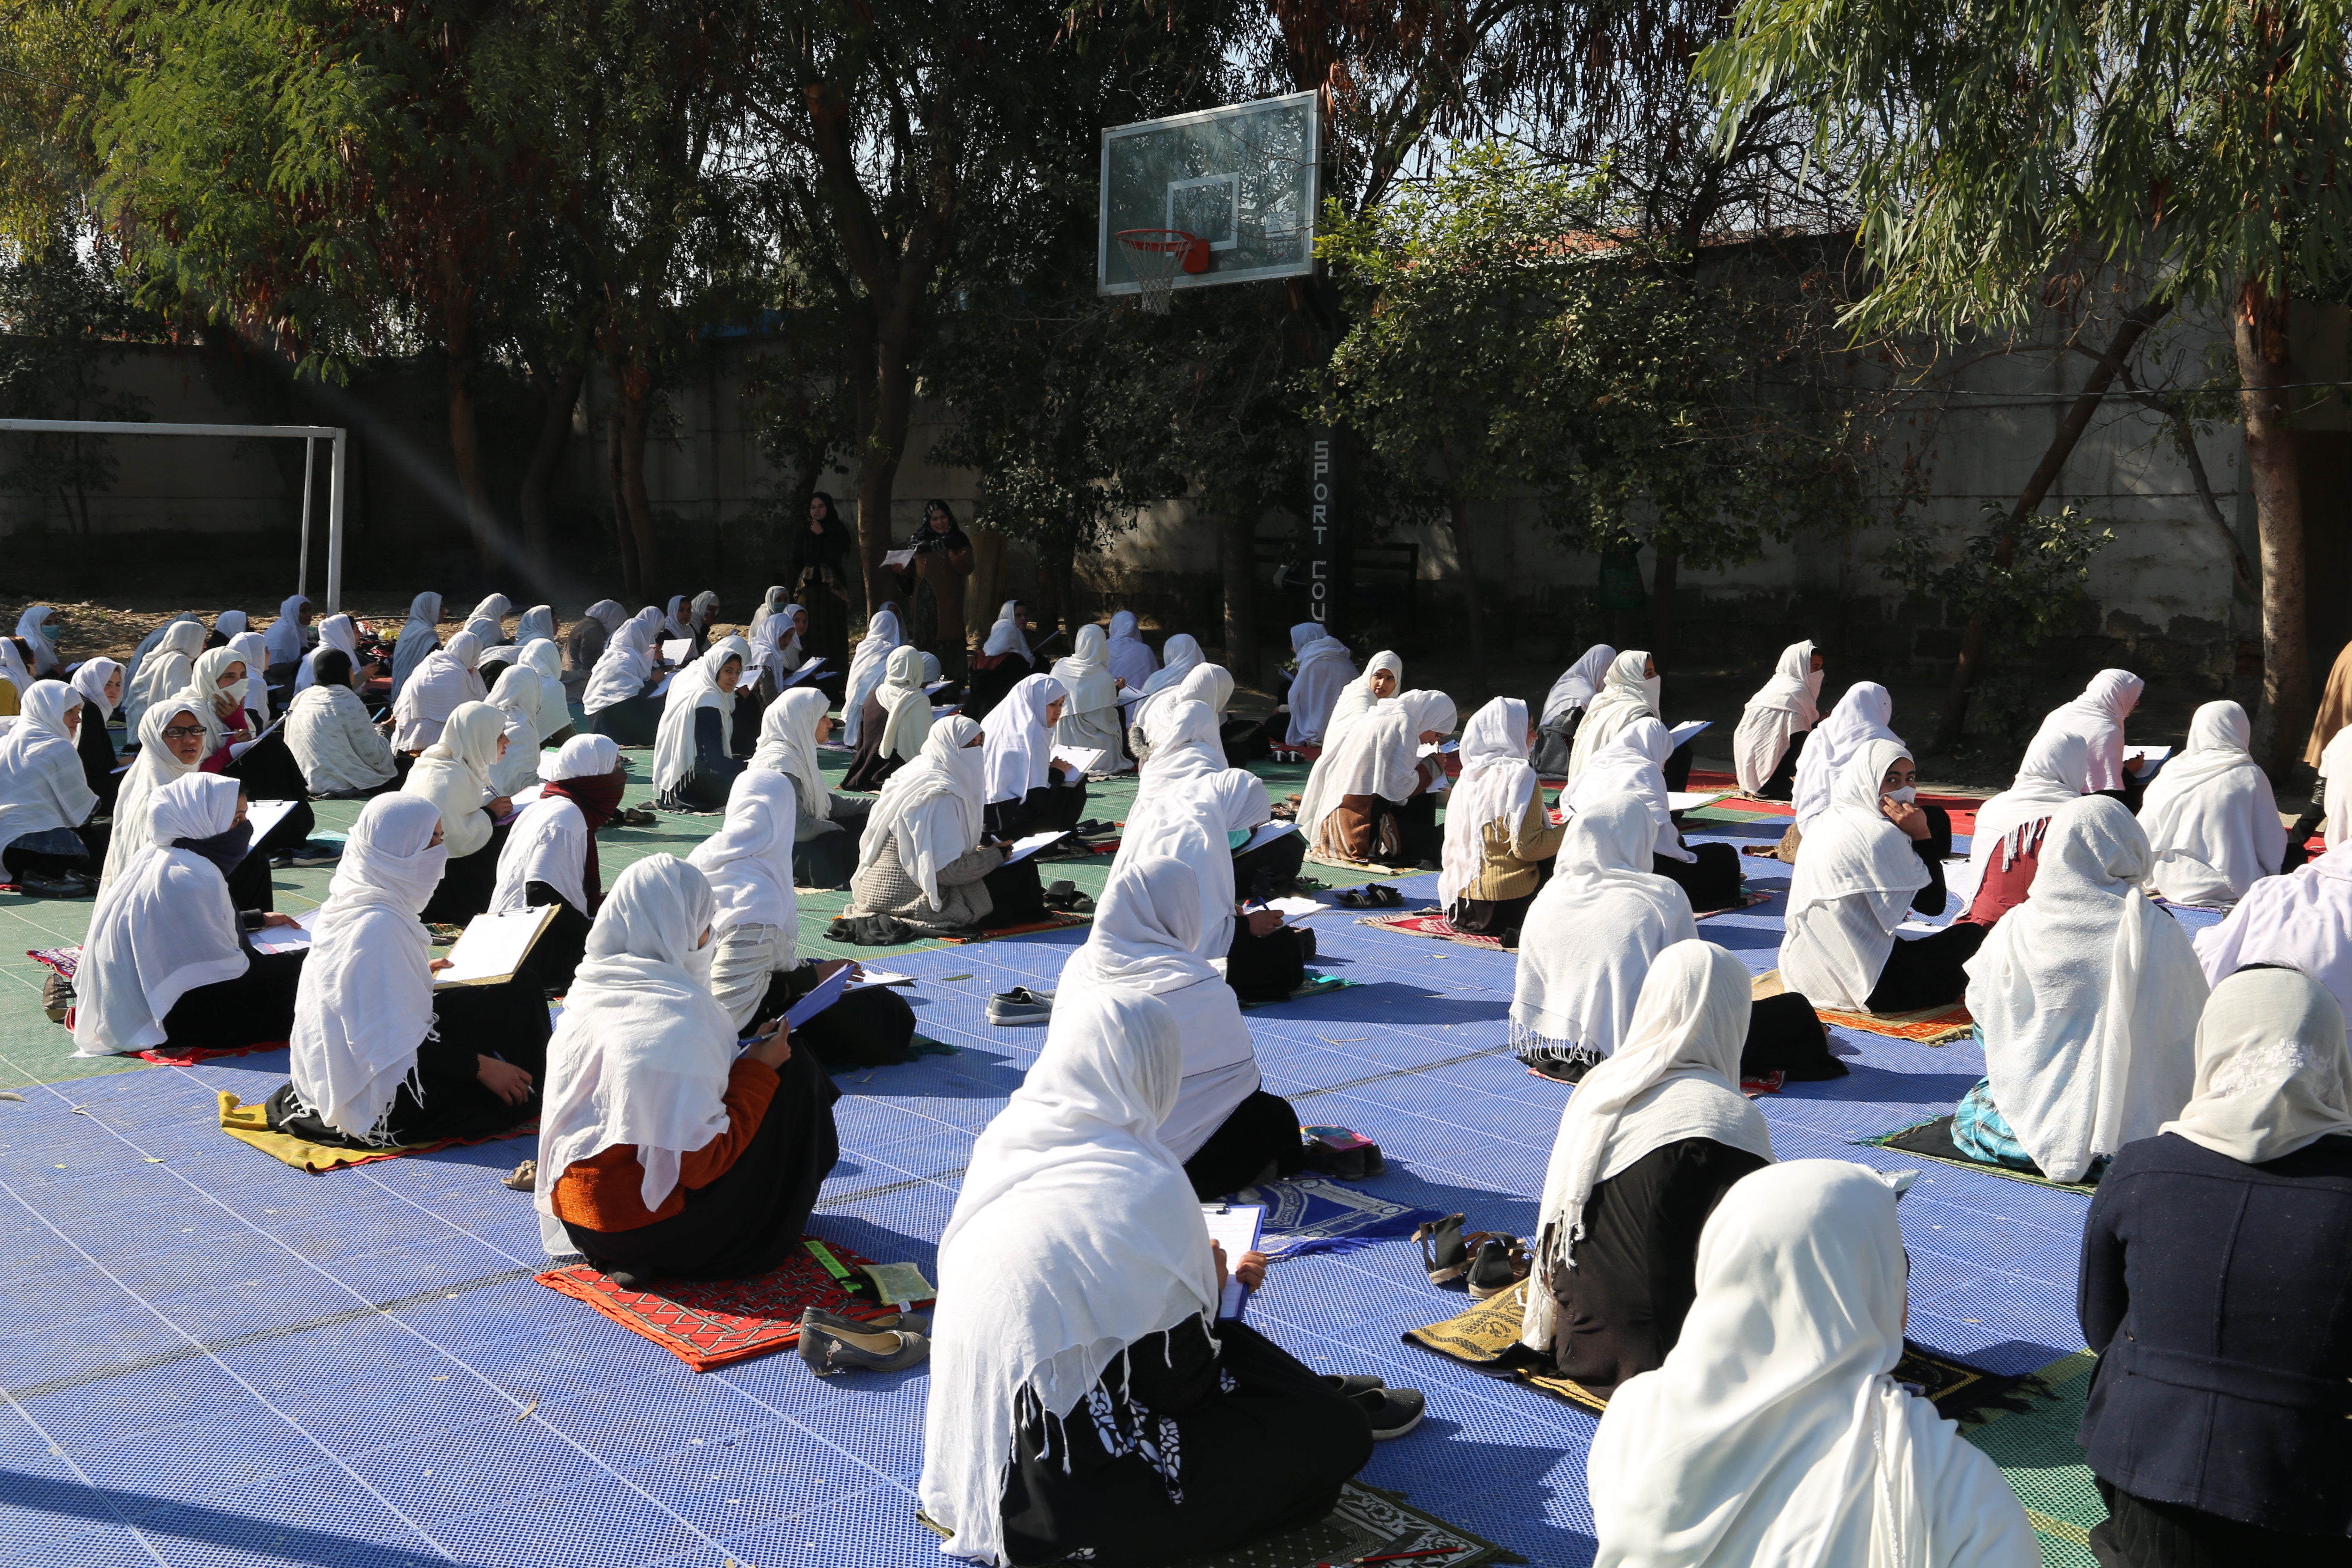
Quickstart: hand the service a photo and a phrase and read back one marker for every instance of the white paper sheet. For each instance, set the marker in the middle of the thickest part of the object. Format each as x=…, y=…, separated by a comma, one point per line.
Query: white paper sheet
x=804, y=672
x=661, y=691
x=493, y=947
x=828, y=993
x=898, y=557
x=937, y=685
x=1684, y=733
x=869, y=976
x=265, y=815
x=1082, y=758
x=678, y=650
x=1690, y=799
x=1266, y=833
x=1960, y=879
x=284, y=939
x=1299, y=909
x=1025, y=848
x=1234, y=1227
x=525, y=796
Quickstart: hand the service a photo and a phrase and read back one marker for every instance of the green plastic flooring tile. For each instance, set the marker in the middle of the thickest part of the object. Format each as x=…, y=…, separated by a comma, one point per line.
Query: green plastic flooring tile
x=2038, y=1457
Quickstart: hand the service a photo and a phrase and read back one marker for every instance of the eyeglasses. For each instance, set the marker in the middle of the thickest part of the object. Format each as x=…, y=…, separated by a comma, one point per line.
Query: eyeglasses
x=182, y=732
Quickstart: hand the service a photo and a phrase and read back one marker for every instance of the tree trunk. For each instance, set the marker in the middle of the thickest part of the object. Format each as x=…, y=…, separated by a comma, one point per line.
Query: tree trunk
x=1664, y=571
x=884, y=445
x=2259, y=332
x=465, y=439
x=1473, y=599
x=633, y=583
x=1237, y=567
x=1954, y=720
x=636, y=385
x=560, y=394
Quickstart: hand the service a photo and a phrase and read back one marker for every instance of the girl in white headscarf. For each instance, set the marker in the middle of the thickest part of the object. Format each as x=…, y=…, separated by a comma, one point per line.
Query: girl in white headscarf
x=1860, y=717
x=775, y=599
x=1005, y=661
x=1131, y=659
x=35, y=626
x=2098, y=716
x=164, y=755
x=544, y=659
x=1090, y=711
x=619, y=698
x=454, y=774
x=166, y=962
x=550, y=853
x=2211, y=816
x=1628, y=693
x=2302, y=920
x=867, y=666
x=1649, y=1143
x=662, y=1151
x=1180, y=657
x=1383, y=678
x=1027, y=790
x=432, y=691
x=826, y=826
x=897, y=717
x=1321, y=665
x=248, y=647
x=1376, y=804
x=1078, y=1295
x=165, y=670
x=1868, y=861
x=419, y=637
x=1499, y=840
x=1635, y=764
x=1773, y=726
x=286, y=637
x=215, y=688
x=2006, y=843
x=920, y=858
x=676, y=621
x=518, y=695
x=1211, y=685
x=694, y=753
x=337, y=633
x=100, y=682
x=1563, y=710
x=584, y=643
x=489, y=621
x=1588, y=941
x=533, y=624
x=1774, y=1436
x=45, y=800
x=2087, y=998
x=342, y=755
x=228, y=623
x=380, y=1058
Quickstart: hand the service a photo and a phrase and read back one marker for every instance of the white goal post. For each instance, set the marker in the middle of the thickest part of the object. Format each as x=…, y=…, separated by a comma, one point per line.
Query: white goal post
x=306, y=434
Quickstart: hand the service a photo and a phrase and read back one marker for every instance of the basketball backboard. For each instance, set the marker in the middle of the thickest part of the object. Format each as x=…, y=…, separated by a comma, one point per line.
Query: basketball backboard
x=1242, y=177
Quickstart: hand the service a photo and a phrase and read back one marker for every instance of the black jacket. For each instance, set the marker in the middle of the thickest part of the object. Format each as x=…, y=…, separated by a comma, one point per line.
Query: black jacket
x=2220, y=1297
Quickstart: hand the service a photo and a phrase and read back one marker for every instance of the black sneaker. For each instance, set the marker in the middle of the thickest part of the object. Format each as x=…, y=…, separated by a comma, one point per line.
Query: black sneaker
x=1354, y=1384
x=1020, y=1006
x=52, y=887
x=1393, y=1412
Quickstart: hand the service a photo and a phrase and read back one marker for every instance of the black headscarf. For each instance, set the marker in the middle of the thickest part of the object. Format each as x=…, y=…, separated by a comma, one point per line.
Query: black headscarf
x=812, y=549
x=924, y=539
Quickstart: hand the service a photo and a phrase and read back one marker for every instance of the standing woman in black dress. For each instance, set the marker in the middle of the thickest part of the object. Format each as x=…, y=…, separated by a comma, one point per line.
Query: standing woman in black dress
x=822, y=564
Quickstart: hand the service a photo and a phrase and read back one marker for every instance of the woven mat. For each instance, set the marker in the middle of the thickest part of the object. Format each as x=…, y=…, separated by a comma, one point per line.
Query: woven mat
x=250, y=1124
x=1933, y=1141
x=2032, y=1441
x=1486, y=1339
x=61, y=960
x=1362, y=871
x=711, y=1322
x=1425, y=923
x=185, y=1056
x=1056, y=924
x=1366, y=1525
x=1928, y=1026
x=1309, y=1214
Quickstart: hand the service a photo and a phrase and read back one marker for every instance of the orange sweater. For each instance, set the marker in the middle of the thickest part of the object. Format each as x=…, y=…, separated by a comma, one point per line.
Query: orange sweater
x=603, y=1192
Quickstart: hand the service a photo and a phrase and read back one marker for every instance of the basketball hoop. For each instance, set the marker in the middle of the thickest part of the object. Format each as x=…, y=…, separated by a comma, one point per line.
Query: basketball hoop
x=1157, y=255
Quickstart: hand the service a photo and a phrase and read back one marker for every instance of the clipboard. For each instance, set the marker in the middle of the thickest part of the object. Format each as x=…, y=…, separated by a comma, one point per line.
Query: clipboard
x=263, y=815
x=828, y=991
x=678, y=650
x=1684, y=733
x=1235, y=1227
x=494, y=947
x=803, y=673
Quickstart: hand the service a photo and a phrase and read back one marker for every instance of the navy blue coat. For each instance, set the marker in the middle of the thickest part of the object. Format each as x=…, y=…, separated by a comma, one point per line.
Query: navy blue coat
x=2220, y=1297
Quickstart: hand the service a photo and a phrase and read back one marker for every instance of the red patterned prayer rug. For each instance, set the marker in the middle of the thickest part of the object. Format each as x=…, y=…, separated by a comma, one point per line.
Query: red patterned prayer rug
x=711, y=1322
x=183, y=1056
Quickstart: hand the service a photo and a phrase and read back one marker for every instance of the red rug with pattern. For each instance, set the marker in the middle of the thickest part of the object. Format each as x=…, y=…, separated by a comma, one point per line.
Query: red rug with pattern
x=711, y=1322
x=1430, y=923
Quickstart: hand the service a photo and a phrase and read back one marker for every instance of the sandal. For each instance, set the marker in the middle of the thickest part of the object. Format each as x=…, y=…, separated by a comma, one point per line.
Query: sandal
x=1384, y=896
x=1355, y=899
x=1498, y=1265
x=1443, y=1253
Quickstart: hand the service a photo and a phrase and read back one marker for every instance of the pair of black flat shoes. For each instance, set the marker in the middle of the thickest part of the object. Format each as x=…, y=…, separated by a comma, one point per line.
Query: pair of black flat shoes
x=1487, y=1262
x=1371, y=896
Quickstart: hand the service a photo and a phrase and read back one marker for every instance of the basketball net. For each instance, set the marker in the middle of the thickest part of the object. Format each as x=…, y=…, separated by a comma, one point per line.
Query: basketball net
x=1156, y=255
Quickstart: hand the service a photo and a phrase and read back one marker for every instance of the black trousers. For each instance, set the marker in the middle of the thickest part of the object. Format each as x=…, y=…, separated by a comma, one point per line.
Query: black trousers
x=2138, y=1533
x=631, y=721
x=870, y=1028
x=1785, y=1035
x=257, y=1008
x=466, y=883
x=1928, y=972
x=1018, y=895
x=1051, y=807
x=1782, y=785
x=249, y=887
x=1266, y=968
x=1268, y=870
x=828, y=859
x=509, y=1022
x=1262, y=1132
x=1491, y=917
x=40, y=863
x=1711, y=881
x=560, y=947
x=268, y=770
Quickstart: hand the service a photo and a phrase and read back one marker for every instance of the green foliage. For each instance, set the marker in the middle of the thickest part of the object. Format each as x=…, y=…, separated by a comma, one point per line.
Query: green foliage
x=2028, y=600
x=59, y=311
x=1515, y=333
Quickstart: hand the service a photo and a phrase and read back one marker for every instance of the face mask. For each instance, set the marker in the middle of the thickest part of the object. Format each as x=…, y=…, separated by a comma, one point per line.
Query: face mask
x=235, y=689
x=1652, y=686
x=222, y=849
x=1905, y=795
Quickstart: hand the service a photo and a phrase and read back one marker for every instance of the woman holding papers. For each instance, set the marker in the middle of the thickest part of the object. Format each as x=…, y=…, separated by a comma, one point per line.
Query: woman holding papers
x=619, y=697
x=1708, y=874
x=1002, y=663
x=2005, y=849
x=342, y=755
x=661, y=1151
x=1376, y=800
x=1499, y=840
x=2098, y=716
x=380, y=1058
x=1028, y=790
x=759, y=973
x=46, y=803
x=336, y=633
x=824, y=838
x=939, y=558
x=454, y=774
x=924, y=858
x=693, y=752
x=100, y=683
x=1861, y=716
x=549, y=856
x=167, y=962
x=897, y=717
x=1087, y=1401
x=1090, y=711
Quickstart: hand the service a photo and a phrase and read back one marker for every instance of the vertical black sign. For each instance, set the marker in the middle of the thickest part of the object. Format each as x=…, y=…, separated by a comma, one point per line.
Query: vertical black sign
x=1326, y=530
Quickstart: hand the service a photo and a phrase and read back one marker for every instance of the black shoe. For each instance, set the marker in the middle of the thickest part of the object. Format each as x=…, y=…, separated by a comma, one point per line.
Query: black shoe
x=830, y=1344
x=1306, y=944
x=628, y=1279
x=1020, y=1006
x=1354, y=1384
x=51, y=887
x=1442, y=1252
x=1499, y=1267
x=1393, y=1412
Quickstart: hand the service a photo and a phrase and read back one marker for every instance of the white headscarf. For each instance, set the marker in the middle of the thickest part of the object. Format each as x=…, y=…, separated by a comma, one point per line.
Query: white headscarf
x=1182, y=656
x=521, y=691
x=543, y=658
x=1193, y=817
x=770, y=601
x=611, y=612
x=1130, y=657
x=1187, y=749
x=32, y=627
x=229, y=623
x=1773, y=1434
x=443, y=681
x=42, y=785
x=488, y=620
x=1356, y=698
x=2335, y=762
x=150, y=770
x=2303, y=920
x=162, y=929
x=2272, y=1074
x=1788, y=704
x=1075, y=1235
x=1005, y=634
x=676, y=621
x=906, y=705
x=285, y=635
x=788, y=745
x=248, y=647
x=2098, y=716
x=1497, y=785
x=1376, y=756
x=549, y=841
x=1020, y=748
x=643, y=1052
x=166, y=670
x=209, y=682
x=337, y=631
x=1211, y=685
x=1860, y=717
x=1855, y=876
x=749, y=859
x=537, y=621
x=419, y=637
x=1625, y=695
x=2210, y=818
x=1634, y=766
x=1675, y=1076
x=622, y=669
x=365, y=1001
x=2055, y=772
x=2086, y=996
x=11, y=667
x=867, y=664
x=89, y=679
x=1086, y=673
x=776, y=648
x=454, y=774
x=1324, y=666
x=930, y=810
x=1579, y=683
x=1592, y=932
x=696, y=686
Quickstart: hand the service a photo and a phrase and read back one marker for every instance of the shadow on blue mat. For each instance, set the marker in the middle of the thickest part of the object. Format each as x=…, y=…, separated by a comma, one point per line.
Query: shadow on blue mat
x=99, y=1505
x=1393, y=1002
